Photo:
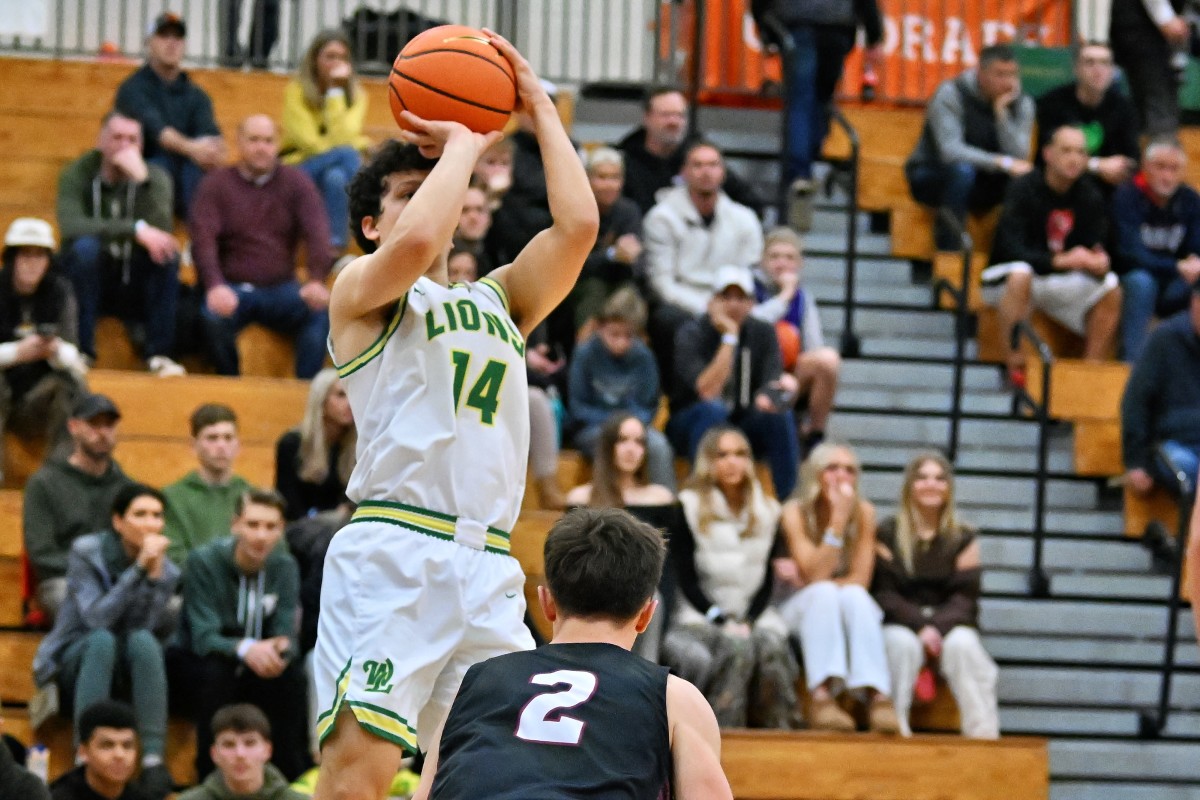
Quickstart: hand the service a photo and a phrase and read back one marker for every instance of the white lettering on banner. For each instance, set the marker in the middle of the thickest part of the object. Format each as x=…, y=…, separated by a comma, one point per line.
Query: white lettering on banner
x=919, y=38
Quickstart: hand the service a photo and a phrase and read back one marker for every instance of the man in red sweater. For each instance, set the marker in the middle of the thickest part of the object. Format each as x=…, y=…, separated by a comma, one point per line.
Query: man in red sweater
x=246, y=221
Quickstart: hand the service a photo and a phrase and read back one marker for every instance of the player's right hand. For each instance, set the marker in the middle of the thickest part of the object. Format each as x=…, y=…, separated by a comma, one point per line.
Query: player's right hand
x=433, y=136
x=530, y=91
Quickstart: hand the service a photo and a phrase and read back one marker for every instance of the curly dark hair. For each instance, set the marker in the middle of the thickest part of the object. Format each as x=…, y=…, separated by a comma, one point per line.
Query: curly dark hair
x=367, y=188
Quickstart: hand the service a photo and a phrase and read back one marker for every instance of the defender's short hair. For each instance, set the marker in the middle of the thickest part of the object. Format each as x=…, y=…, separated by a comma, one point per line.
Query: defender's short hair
x=603, y=563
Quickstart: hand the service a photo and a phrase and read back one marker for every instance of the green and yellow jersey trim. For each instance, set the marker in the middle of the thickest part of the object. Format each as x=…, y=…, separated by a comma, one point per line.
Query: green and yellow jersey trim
x=421, y=520
x=360, y=361
x=500, y=292
x=377, y=720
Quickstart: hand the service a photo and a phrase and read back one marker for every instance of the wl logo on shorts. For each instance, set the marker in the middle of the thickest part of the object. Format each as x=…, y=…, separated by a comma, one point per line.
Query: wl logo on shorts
x=379, y=675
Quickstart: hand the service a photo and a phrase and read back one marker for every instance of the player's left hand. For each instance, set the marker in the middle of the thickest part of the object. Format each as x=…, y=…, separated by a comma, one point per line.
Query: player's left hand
x=530, y=91
x=432, y=136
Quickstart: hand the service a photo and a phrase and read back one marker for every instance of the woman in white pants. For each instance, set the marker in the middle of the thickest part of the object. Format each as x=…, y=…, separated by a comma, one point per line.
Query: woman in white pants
x=927, y=582
x=830, y=532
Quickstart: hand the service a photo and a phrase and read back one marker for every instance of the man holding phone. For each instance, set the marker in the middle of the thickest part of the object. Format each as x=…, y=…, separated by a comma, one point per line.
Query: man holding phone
x=240, y=601
x=728, y=370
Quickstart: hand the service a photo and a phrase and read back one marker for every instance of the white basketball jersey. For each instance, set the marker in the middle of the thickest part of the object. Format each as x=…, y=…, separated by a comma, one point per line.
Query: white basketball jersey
x=441, y=403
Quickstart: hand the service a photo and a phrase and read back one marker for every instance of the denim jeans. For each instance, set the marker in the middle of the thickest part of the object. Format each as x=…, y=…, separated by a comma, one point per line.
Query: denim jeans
x=151, y=294
x=279, y=308
x=185, y=175
x=816, y=68
x=1144, y=295
x=1186, y=457
x=331, y=171
x=772, y=436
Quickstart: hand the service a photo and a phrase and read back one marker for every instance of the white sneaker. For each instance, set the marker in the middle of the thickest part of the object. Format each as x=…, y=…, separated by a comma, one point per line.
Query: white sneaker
x=165, y=367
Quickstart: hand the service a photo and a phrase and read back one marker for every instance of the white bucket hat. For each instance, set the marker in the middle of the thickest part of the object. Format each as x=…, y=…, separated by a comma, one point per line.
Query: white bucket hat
x=30, y=232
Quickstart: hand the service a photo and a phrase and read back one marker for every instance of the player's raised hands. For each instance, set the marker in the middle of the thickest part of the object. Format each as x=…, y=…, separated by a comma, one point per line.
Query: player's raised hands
x=530, y=90
x=433, y=136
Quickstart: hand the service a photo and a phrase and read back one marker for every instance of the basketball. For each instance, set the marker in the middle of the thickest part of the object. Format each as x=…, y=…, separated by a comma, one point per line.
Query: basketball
x=453, y=72
x=789, y=343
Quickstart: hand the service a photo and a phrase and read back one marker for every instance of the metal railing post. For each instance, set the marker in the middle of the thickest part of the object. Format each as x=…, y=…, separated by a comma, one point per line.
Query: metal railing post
x=1039, y=583
x=1151, y=724
x=851, y=345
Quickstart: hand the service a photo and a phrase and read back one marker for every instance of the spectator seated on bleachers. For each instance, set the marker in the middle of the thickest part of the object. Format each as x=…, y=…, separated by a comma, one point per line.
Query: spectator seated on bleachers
x=1049, y=253
x=830, y=530
x=43, y=371
x=693, y=231
x=461, y=264
x=927, y=581
x=613, y=262
x=109, y=635
x=977, y=133
x=107, y=757
x=655, y=152
x=621, y=478
x=494, y=172
x=240, y=604
x=728, y=371
x=70, y=496
x=614, y=371
x=1105, y=113
x=15, y=780
x=725, y=636
x=1161, y=406
x=313, y=461
x=323, y=112
x=247, y=221
x=181, y=133
x=200, y=504
x=473, y=226
x=783, y=302
x=114, y=212
x=1157, y=217
x=241, y=750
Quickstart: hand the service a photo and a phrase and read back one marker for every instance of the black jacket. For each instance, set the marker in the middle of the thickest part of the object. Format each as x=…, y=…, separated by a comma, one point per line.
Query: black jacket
x=646, y=173
x=756, y=364
x=834, y=13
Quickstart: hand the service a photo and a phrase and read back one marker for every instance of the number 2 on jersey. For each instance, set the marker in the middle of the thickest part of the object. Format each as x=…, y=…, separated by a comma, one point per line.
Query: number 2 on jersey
x=484, y=395
x=537, y=726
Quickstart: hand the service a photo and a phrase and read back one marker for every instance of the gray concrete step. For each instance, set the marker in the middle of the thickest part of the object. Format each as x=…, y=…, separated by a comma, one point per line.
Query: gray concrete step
x=1079, y=619
x=933, y=401
x=1117, y=557
x=1061, y=458
x=935, y=377
x=881, y=427
x=1096, y=687
x=1020, y=520
x=1035, y=721
x=1091, y=584
x=869, y=323
x=969, y=490
x=1084, y=651
x=1135, y=761
x=1142, y=790
x=830, y=292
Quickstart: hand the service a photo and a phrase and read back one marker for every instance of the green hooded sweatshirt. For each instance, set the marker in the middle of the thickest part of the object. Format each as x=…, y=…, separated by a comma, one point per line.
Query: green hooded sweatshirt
x=198, y=512
x=274, y=787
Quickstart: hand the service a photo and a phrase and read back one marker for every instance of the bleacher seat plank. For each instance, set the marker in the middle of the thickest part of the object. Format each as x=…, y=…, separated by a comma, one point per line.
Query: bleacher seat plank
x=775, y=765
x=114, y=349
x=1097, y=448
x=266, y=354
x=16, y=655
x=881, y=183
x=912, y=230
x=948, y=267
x=1081, y=389
x=160, y=407
x=528, y=540
x=1063, y=343
x=1139, y=511
x=157, y=461
x=11, y=503
x=11, y=613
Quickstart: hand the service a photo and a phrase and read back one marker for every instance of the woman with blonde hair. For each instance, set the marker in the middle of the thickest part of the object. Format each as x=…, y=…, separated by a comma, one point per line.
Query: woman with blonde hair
x=313, y=462
x=621, y=479
x=830, y=530
x=323, y=112
x=927, y=581
x=725, y=638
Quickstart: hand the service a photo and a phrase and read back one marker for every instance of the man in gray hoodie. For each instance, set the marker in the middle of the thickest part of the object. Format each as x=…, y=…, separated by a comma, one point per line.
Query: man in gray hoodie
x=241, y=750
x=977, y=135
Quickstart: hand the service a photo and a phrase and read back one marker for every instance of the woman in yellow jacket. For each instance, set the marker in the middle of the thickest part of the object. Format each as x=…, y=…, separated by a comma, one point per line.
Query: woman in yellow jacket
x=323, y=111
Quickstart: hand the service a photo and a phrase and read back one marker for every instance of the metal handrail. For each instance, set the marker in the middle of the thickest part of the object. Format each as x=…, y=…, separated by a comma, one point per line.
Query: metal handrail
x=1151, y=724
x=961, y=297
x=1039, y=583
x=850, y=344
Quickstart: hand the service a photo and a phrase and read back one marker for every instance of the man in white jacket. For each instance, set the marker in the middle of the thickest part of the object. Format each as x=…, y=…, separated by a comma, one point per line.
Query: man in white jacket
x=693, y=231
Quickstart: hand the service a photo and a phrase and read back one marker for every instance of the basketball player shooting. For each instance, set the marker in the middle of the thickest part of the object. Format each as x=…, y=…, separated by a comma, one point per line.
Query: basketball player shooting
x=420, y=584
x=583, y=716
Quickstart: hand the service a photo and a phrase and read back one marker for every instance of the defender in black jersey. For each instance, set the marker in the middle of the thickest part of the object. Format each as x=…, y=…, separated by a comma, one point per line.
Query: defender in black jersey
x=582, y=717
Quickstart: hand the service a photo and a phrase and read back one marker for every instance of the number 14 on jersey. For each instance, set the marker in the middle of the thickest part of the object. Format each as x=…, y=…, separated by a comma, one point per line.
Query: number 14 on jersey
x=484, y=394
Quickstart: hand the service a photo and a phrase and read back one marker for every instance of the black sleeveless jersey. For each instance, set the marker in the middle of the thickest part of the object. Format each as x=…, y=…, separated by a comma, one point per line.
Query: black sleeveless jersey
x=561, y=722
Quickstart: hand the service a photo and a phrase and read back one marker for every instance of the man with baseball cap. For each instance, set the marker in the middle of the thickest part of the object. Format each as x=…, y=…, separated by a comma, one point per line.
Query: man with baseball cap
x=71, y=496
x=728, y=370
x=180, y=131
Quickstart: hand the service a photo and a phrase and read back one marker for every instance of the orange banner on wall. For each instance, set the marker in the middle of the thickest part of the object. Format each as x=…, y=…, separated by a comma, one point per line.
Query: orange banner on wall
x=925, y=42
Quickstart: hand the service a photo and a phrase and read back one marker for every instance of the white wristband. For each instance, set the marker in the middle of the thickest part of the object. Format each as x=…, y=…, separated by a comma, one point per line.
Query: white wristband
x=730, y=339
x=832, y=539
x=244, y=647
x=139, y=225
x=714, y=613
x=1006, y=163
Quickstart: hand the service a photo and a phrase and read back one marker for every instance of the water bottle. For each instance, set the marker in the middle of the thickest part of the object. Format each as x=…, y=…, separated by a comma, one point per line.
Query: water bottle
x=37, y=761
x=870, y=81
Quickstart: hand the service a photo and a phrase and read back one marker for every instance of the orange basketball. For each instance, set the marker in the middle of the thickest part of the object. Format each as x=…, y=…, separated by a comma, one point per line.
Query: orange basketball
x=453, y=72
x=789, y=343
